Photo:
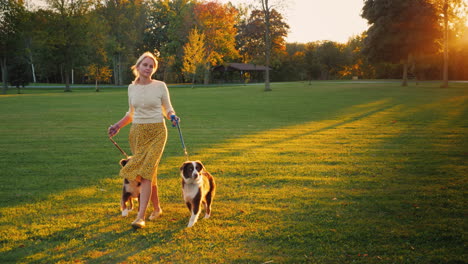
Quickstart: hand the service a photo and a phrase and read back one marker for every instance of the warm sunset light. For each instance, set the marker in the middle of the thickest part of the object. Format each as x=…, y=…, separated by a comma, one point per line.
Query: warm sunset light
x=312, y=20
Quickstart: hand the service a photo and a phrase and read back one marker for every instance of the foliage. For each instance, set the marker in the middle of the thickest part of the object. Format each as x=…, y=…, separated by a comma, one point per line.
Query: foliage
x=125, y=21
x=12, y=21
x=67, y=35
x=217, y=22
x=19, y=73
x=333, y=173
x=251, y=37
x=98, y=74
x=400, y=30
x=357, y=65
x=195, y=57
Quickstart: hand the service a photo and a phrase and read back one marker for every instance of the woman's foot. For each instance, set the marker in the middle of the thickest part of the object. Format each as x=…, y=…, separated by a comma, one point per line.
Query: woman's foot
x=138, y=223
x=155, y=214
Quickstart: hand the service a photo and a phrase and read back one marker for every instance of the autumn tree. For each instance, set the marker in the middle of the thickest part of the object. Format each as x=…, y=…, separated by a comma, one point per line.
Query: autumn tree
x=194, y=54
x=251, y=37
x=98, y=73
x=217, y=22
x=292, y=63
x=355, y=63
x=261, y=33
x=399, y=31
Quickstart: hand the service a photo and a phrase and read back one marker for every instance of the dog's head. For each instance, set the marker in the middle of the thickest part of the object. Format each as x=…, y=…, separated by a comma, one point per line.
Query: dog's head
x=124, y=162
x=191, y=170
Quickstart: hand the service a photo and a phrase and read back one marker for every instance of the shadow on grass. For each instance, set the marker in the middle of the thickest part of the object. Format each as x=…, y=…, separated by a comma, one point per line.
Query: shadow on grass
x=356, y=188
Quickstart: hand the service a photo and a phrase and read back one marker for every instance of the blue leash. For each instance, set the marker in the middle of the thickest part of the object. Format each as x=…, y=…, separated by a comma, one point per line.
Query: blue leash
x=173, y=118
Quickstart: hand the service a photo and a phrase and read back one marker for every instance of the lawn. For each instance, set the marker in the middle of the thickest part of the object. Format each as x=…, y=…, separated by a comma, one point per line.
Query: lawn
x=332, y=172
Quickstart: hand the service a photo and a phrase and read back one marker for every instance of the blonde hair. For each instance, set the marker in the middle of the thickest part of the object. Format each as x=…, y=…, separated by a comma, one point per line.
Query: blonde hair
x=138, y=62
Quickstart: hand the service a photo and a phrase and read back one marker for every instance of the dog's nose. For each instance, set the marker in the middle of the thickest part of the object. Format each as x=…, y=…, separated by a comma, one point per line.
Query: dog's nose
x=195, y=175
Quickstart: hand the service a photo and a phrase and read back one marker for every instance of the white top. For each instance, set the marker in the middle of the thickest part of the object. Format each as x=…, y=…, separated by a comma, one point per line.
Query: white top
x=149, y=103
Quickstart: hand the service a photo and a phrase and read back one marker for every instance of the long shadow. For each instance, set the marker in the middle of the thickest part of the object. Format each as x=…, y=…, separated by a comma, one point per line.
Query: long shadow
x=410, y=208
x=78, y=243
x=78, y=159
x=56, y=239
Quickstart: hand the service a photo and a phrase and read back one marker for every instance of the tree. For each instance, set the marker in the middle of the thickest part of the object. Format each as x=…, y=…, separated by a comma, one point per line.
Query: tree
x=217, y=22
x=167, y=28
x=194, y=54
x=126, y=21
x=312, y=61
x=267, y=15
x=452, y=13
x=292, y=64
x=71, y=34
x=98, y=74
x=356, y=64
x=251, y=37
x=330, y=57
x=400, y=30
x=261, y=41
x=12, y=14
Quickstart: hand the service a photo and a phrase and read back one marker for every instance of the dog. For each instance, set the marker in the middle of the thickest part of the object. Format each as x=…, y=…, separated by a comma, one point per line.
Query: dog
x=198, y=187
x=130, y=191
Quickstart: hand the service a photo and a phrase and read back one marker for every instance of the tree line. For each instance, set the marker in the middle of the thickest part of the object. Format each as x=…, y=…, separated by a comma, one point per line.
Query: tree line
x=95, y=41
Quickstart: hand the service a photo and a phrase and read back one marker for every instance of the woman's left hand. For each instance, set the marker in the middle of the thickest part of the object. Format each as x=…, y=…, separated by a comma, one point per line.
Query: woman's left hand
x=175, y=120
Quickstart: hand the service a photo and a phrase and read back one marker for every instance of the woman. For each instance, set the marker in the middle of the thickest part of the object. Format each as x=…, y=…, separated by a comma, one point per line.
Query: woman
x=149, y=102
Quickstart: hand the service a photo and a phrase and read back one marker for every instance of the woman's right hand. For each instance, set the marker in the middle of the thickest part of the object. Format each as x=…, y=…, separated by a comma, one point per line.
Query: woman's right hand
x=113, y=130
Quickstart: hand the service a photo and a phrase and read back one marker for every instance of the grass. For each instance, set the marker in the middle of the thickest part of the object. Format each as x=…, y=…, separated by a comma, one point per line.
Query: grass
x=327, y=173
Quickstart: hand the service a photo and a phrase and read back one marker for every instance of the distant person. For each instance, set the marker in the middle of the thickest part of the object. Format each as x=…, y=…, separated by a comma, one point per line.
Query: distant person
x=149, y=102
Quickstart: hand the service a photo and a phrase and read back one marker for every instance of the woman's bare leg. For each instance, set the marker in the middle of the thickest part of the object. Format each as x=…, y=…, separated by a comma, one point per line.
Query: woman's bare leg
x=155, y=200
x=145, y=195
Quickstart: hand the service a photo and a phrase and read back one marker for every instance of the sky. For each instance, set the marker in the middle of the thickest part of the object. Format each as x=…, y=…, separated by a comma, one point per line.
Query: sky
x=313, y=20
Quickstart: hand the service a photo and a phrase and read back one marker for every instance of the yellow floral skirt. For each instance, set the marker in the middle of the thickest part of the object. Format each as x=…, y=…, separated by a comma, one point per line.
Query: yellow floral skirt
x=147, y=142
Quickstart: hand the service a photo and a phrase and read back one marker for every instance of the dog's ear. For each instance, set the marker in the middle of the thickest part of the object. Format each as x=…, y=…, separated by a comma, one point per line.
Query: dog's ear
x=183, y=165
x=124, y=162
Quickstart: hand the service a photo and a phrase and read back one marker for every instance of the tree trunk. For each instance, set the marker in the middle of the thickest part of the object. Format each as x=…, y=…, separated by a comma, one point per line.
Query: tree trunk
x=4, y=75
x=207, y=74
x=405, y=73
x=67, y=81
x=33, y=73
x=119, y=67
x=193, y=79
x=114, y=64
x=266, y=10
x=446, y=35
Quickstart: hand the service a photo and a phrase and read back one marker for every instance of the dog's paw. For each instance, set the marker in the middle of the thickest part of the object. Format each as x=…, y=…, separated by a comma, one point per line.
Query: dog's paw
x=192, y=221
x=125, y=213
x=207, y=216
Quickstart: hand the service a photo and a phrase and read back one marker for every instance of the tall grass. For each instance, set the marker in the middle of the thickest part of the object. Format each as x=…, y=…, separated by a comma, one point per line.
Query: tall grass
x=326, y=173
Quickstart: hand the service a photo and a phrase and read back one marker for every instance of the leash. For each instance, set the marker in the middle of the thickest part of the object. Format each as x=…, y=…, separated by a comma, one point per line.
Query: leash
x=181, y=138
x=117, y=145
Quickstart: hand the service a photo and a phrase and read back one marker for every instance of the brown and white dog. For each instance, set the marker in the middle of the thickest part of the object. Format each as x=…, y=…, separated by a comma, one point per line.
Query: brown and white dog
x=198, y=187
x=130, y=191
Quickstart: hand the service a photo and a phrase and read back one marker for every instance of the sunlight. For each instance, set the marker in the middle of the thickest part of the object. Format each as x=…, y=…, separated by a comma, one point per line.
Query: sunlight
x=316, y=162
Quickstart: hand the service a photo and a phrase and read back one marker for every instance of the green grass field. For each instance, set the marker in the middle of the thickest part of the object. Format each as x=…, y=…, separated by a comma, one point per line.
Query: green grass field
x=326, y=173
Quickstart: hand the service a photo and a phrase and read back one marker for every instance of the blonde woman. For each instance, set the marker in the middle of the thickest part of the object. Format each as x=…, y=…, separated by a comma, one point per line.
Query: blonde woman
x=149, y=102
